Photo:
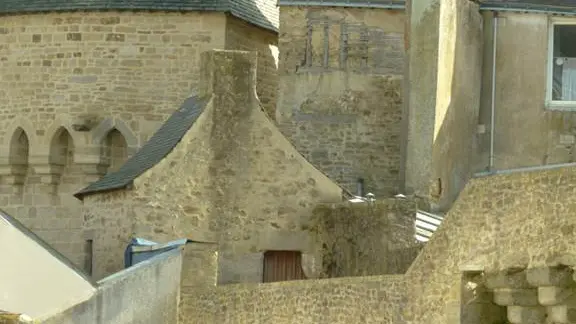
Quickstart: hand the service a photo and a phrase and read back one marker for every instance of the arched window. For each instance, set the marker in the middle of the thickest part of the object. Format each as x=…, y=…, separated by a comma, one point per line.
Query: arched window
x=62, y=149
x=115, y=150
x=19, y=153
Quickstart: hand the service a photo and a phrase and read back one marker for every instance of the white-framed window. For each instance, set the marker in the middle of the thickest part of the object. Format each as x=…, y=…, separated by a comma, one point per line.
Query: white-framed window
x=561, y=89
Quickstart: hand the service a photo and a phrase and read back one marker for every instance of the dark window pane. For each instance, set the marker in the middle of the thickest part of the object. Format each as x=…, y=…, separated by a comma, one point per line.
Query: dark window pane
x=564, y=63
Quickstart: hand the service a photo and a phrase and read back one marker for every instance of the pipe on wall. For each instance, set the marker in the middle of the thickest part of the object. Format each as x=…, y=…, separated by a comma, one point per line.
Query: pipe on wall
x=525, y=169
x=493, y=94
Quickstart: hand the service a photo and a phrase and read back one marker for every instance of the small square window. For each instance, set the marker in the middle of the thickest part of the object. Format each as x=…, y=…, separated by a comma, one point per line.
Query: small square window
x=562, y=65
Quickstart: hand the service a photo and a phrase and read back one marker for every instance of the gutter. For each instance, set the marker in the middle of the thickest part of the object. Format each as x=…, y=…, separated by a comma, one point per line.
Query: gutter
x=526, y=169
x=400, y=5
x=493, y=94
x=529, y=8
x=396, y=5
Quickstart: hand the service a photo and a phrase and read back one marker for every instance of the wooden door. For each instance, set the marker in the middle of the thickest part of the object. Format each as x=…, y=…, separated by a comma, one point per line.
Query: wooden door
x=283, y=266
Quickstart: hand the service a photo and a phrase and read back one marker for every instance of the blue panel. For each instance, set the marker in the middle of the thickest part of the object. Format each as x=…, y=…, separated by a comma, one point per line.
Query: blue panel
x=132, y=257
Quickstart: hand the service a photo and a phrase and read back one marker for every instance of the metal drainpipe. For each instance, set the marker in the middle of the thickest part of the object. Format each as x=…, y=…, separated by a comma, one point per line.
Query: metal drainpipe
x=493, y=99
x=360, y=187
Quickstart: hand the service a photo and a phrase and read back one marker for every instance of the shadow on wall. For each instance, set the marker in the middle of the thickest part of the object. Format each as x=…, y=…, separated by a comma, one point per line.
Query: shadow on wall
x=365, y=239
x=378, y=299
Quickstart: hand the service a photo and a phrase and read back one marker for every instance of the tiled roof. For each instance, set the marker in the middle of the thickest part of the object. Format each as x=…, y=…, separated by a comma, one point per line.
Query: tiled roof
x=263, y=13
x=159, y=145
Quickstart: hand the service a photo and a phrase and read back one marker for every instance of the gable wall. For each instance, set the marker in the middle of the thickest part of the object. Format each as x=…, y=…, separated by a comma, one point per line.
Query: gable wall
x=340, y=97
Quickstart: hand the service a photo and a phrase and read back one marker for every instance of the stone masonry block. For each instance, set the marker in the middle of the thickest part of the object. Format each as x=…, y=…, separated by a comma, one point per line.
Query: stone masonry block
x=526, y=315
x=229, y=72
x=558, y=313
x=518, y=297
x=553, y=295
x=549, y=276
x=564, y=312
x=503, y=279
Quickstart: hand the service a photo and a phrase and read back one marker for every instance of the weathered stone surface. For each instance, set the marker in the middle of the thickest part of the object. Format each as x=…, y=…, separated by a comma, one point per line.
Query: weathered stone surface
x=387, y=231
x=243, y=36
x=488, y=227
x=378, y=299
x=516, y=297
x=515, y=279
x=340, y=92
x=233, y=174
x=526, y=315
x=108, y=79
x=550, y=276
x=549, y=296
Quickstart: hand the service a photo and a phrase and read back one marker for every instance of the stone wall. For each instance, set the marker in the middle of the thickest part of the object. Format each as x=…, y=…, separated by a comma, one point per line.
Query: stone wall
x=232, y=174
x=241, y=35
x=340, y=98
x=146, y=293
x=508, y=223
x=336, y=301
x=363, y=239
x=109, y=222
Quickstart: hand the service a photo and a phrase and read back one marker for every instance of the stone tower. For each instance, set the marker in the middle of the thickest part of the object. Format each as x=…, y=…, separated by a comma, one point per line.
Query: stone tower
x=85, y=85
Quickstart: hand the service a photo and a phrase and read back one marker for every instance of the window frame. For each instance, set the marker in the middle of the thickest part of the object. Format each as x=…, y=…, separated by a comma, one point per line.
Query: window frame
x=556, y=104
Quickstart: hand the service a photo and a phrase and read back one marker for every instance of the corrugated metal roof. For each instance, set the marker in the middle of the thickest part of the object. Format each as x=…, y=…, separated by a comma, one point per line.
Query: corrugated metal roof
x=426, y=225
x=562, y=7
x=548, y=3
x=263, y=13
x=159, y=145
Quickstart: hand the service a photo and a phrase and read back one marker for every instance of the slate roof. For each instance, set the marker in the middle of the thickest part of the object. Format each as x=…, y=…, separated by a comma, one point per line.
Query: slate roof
x=158, y=147
x=263, y=13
